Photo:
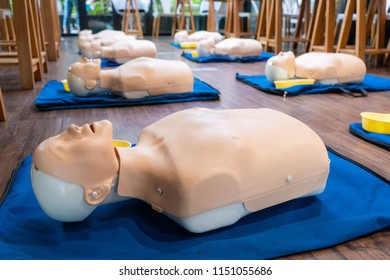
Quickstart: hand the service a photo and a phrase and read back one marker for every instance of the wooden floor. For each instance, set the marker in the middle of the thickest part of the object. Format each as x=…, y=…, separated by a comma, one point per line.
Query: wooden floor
x=328, y=114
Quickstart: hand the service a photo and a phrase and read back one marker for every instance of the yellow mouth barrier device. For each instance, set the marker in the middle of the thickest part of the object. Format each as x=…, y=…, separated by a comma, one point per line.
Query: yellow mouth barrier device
x=293, y=82
x=376, y=122
x=121, y=143
x=188, y=45
x=66, y=86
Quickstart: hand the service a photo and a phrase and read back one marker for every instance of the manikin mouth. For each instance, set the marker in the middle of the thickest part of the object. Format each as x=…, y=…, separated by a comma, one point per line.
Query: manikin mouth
x=92, y=128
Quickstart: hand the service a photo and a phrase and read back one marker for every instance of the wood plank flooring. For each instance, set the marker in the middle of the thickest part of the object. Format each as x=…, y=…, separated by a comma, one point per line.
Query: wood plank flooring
x=328, y=114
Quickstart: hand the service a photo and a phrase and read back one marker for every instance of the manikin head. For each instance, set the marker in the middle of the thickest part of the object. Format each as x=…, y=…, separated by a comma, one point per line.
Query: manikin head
x=83, y=76
x=73, y=172
x=181, y=36
x=280, y=67
x=206, y=47
x=91, y=49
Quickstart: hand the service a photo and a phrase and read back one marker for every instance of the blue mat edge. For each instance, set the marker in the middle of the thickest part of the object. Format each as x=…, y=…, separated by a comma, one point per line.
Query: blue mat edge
x=365, y=137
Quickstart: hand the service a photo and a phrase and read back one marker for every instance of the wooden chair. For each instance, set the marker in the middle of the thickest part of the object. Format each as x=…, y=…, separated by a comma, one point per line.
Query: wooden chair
x=269, y=26
x=234, y=16
x=323, y=38
x=161, y=8
x=29, y=54
x=131, y=22
x=370, y=30
x=3, y=114
x=7, y=31
x=179, y=18
x=52, y=29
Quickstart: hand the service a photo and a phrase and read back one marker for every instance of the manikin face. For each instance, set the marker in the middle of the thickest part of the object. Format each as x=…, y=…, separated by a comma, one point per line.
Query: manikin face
x=206, y=47
x=82, y=156
x=83, y=76
x=91, y=50
x=280, y=67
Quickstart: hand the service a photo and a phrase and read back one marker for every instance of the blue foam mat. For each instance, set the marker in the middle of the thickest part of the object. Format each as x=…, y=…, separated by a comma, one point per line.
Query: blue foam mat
x=355, y=203
x=175, y=45
x=54, y=97
x=224, y=58
x=109, y=63
x=379, y=139
x=371, y=83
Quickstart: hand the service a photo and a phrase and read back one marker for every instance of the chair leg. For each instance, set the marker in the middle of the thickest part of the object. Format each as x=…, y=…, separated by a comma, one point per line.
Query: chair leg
x=3, y=115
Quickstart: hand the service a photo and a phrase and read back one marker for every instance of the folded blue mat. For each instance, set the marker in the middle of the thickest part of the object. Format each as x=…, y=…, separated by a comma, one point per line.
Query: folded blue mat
x=54, y=97
x=355, y=203
x=224, y=58
x=370, y=83
x=379, y=139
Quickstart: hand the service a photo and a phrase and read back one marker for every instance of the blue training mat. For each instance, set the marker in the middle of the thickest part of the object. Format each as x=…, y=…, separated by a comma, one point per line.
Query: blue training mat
x=54, y=97
x=354, y=203
x=225, y=58
x=379, y=139
x=175, y=45
x=370, y=83
x=109, y=63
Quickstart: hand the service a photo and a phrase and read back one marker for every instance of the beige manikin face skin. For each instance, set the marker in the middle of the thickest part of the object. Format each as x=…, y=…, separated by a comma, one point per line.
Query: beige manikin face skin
x=194, y=160
x=281, y=67
x=81, y=155
x=144, y=74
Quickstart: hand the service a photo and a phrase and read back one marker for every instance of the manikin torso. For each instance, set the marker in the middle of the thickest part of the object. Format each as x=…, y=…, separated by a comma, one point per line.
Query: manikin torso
x=326, y=68
x=105, y=37
x=136, y=78
x=202, y=168
x=183, y=36
x=120, y=51
x=233, y=47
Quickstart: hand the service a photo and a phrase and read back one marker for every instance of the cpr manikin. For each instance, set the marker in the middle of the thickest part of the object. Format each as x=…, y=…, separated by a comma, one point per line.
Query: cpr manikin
x=105, y=37
x=325, y=68
x=120, y=51
x=136, y=78
x=232, y=47
x=183, y=36
x=203, y=168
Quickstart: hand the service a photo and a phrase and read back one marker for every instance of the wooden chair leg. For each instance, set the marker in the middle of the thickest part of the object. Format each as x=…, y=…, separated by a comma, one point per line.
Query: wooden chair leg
x=3, y=115
x=131, y=10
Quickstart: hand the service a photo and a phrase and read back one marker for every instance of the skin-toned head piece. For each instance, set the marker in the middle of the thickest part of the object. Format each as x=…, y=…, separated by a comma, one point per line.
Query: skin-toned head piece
x=280, y=67
x=83, y=76
x=81, y=155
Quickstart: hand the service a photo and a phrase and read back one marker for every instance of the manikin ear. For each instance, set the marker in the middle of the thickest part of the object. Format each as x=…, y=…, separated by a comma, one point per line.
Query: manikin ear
x=96, y=194
x=90, y=84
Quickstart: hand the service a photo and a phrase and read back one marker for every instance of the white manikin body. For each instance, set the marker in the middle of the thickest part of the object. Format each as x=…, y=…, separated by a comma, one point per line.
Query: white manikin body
x=324, y=68
x=183, y=36
x=120, y=51
x=136, y=78
x=232, y=47
x=233, y=162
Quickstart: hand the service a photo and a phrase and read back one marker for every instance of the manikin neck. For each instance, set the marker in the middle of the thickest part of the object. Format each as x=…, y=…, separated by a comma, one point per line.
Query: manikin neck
x=108, y=78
